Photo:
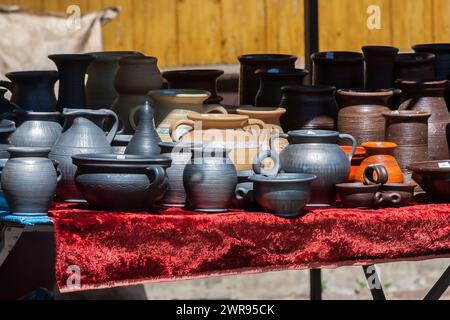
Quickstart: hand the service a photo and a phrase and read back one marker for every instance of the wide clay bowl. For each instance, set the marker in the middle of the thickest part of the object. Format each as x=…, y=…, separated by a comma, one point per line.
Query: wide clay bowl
x=434, y=178
x=358, y=195
x=121, y=182
x=284, y=195
x=405, y=190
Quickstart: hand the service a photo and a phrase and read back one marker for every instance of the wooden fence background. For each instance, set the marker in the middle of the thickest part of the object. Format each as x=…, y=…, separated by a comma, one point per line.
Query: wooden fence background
x=197, y=32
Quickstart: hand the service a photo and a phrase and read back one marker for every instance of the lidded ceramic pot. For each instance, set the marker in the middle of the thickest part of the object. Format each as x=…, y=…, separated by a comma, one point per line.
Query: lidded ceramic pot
x=210, y=180
x=429, y=96
x=82, y=133
x=121, y=182
x=380, y=61
x=33, y=90
x=314, y=152
x=174, y=105
x=309, y=107
x=29, y=181
x=134, y=79
x=340, y=69
x=272, y=79
x=360, y=113
x=249, y=81
x=415, y=66
x=199, y=79
x=38, y=129
x=145, y=140
x=72, y=73
x=100, y=92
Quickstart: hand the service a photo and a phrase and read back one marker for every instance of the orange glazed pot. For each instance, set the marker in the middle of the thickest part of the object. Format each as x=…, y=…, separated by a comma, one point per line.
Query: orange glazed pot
x=357, y=159
x=381, y=153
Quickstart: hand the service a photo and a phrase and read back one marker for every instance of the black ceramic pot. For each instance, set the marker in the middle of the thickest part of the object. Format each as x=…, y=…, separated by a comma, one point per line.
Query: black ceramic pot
x=340, y=69
x=249, y=81
x=195, y=79
x=272, y=79
x=72, y=70
x=419, y=66
x=380, y=61
x=121, y=182
x=309, y=107
x=34, y=90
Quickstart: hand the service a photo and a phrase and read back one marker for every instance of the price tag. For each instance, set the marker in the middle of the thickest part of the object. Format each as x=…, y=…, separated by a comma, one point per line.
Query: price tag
x=443, y=165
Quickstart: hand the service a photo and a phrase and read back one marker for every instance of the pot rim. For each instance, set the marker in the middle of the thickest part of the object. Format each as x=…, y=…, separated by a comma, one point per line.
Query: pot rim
x=258, y=58
x=338, y=56
x=381, y=49
x=108, y=56
x=180, y=93
x=366, y=92
x=313, y=133
x=400, y=185
x=379, y=145
x=106, y=160
x=33, y=74
x=215, y=117
x=137, y=59
x=284, y=178
x=406, y=114
x=308, y=89
x=29, y=150
x=71, y=56
x=193, y=73
x=412, y=58
x=358, y=185
x=429, y=167
x=262, y=111
x=281, y=72
x=432, y=47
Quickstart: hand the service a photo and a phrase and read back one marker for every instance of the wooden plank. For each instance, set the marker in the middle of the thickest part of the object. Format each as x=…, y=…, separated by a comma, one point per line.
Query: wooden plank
x=441, y=22
x=199, y=31
x=244, y=25
x=119, y=34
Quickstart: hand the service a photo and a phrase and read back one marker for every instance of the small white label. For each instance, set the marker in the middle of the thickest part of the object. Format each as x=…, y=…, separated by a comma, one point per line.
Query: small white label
x=310, y=132
x=444, y=165
x=121, y=157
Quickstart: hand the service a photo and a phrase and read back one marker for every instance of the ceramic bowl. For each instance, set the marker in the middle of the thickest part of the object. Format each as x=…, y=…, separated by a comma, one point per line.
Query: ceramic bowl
x=433, y=177
x=358, y=195
x=284, y=195
x=121, y=182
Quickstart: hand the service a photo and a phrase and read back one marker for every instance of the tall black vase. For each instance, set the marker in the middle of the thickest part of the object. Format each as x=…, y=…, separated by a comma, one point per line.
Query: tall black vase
x=380, y=61
x=33, y=90
x=72, y=72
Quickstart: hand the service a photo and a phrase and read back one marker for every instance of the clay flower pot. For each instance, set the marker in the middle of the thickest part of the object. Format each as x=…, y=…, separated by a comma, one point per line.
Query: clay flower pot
x=381, y=153
x=380, y=61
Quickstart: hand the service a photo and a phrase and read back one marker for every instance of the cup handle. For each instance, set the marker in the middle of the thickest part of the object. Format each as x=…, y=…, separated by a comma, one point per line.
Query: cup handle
x=174, y=126
x=354, y=144
x=381, y=172
x=216, y=109
x=156, y=176
x=115, y=128
x=266, y=154
x=254, y=123
x=131, y=117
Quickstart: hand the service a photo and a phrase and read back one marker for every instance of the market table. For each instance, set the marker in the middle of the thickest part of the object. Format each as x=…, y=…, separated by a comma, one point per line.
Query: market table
x=119, y=249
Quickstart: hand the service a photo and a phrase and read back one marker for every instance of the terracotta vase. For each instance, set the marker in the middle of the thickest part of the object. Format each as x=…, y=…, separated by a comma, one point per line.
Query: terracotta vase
x=308, y=107
x=201, y=79
x=415, y=65
x=340, y=69
x=174, y=105
x=381, y=153
x=272, y=79
x=134, y=79
x=380, y=61
x=238, y=133
x=429, y=97
x=72, y=73
x=249, y=81
x=360, y=114
x=100, y=92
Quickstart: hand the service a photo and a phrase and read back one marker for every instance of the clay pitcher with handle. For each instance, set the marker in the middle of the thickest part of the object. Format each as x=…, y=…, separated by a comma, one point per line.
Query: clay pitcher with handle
x=82, y=133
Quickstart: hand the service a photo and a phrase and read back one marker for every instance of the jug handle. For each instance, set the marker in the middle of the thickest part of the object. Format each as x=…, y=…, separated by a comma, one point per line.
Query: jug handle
x=174, y=126
x=156, y=176
x=115, y=128
x=6, y=84
x=380, y=170
x=217, y=109
x=272, y=154
x=131, y=117
x=248, y=124
x=354, y=144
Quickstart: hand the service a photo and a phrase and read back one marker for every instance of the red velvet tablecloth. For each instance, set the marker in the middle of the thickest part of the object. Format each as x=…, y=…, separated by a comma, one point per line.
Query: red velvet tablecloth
x=114, y=249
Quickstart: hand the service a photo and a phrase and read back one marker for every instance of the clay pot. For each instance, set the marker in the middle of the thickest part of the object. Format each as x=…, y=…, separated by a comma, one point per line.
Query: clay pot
x=357, y=159
x=405, y=191
x=415, y=66
x=360, y=114
x=72, y=73
x=340, y=69
x=82, y=134
x=210, y=180
x=409, y=130
x=134, y=79
x=121, y=182
x=200, y=79
x=308, y=107
x=315, y=152
x=380, y=61
x=284, y=195
x=434, y=178
x=381, y=153
x=174, y=105
x=359, y=195
x=249, y=81
x=100, y=92
x=29, y=181
x=428, y=97
x=238, y=133
x=38, y=129
x=270, y=116
x=272, y=79
x=145, y=140
x=33, y=90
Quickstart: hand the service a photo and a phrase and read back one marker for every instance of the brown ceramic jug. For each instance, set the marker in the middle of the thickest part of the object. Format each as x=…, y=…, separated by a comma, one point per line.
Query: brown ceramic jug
x=429, y=96
x=361, y=114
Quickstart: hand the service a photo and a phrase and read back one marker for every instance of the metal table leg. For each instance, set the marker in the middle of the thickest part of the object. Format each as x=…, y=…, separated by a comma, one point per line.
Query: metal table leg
x=440, y=287
x=315, y=280
x=374, y=282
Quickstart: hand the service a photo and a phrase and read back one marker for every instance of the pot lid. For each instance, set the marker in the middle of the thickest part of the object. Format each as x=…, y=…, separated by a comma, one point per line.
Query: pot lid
x=439, y=166
x=284, y=178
